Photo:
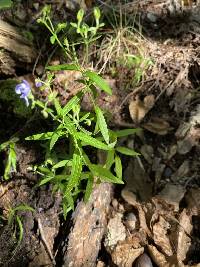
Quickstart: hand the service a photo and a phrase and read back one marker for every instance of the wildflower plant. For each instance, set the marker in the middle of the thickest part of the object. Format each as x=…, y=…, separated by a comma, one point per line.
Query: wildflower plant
x=23, y=89
x=68, y=165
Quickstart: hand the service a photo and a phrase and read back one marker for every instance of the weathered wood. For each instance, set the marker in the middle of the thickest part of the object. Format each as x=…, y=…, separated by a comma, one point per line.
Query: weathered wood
x=15, y=48
x=90, y=221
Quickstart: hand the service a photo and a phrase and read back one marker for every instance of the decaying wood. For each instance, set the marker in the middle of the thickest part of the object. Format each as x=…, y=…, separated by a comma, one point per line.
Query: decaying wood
x=90, y=220
x=14, y=48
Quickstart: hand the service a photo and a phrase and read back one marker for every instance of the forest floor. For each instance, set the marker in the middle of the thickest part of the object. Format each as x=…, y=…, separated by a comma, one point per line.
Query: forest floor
x=149, y=53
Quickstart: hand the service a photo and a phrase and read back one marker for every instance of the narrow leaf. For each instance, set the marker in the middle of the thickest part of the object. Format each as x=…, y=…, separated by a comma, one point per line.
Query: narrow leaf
x=118, y=167
x=62, y=163
x=125, y=132
x=127, y=151
x=72, y=102
x=92, y=141
x=21, y=230
x=89, y=187
x=5, y=3
x=110, y=159
x=99, y=81
x=102, y=124
x=45, y=180
x=64, y=67
x=75, y=172
x=57, y=106
x=104, y=174
x=40, y=136
x=54, y=139
x=24, y=207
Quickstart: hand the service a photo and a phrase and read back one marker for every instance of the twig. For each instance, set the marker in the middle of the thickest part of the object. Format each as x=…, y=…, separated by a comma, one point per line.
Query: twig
x=45, y=242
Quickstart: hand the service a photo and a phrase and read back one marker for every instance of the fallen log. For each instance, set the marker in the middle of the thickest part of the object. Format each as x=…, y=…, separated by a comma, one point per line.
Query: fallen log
x=15, y=49
x=90, y=222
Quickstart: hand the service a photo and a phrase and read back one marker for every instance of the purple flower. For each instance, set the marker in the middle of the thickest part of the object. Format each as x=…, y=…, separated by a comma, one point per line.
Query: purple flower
x=38, y=84
x=23, y=89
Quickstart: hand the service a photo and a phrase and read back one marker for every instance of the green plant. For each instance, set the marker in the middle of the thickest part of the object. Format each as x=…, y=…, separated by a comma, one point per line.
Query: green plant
x=138, y=62
x=14, y=221
x=9, y=148
x=78, y=130
x=123, y=45
x=88, y=34
x=76, y=135
x=5, y=4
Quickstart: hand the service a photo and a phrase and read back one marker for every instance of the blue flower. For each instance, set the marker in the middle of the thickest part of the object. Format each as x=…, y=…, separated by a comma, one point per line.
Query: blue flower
x=38, y=84
x=23, y=89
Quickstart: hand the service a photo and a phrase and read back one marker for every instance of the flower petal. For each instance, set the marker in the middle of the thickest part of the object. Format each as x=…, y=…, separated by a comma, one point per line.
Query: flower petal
x=18, y=89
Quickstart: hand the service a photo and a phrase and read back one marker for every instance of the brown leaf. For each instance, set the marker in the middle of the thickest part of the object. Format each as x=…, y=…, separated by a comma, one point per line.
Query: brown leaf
x=184, y=240
x=160, y=236
x=158, y=126
x=158, y=257
x=147, y=152
x=138, y=109
x=182, y=171
x=172, y=195
x=124, y=254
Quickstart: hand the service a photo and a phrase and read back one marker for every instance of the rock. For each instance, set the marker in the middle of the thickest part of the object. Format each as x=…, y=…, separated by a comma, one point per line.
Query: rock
x=143, y=261
x=130, y=221
x=152, y=17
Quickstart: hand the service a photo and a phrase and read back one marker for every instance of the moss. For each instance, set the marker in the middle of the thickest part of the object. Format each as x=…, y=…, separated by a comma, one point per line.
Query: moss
x=7, y=94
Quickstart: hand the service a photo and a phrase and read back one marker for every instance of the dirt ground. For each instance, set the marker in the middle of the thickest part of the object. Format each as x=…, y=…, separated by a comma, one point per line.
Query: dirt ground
x=154, y=220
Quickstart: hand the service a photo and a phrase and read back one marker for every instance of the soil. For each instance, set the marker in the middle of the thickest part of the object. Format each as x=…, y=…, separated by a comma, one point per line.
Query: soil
x=154, y=220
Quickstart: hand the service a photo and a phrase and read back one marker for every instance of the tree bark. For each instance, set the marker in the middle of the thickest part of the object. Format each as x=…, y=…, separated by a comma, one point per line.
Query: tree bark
x=90, y=221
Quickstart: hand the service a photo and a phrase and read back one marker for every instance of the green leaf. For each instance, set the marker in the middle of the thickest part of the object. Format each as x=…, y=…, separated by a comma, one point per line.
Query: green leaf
x=70, y=104
x=61, y=163
x=125, y=132
x=118, y=167
x=54, y=139
x=11, y=162
x=75, y=172
x=104, y=174
x=57, y=106
x=69, y=200
x=110, y=159
x=21, y=230
x=5, y=3
x=45, y=180
x=52, y=39
x=91, y=141
x=89, y=187
x=70, y=126
x=13, y=157
x=23, y=207
x=102, y=124
x=73, y=24
x=40, y=136
x=126, y=151
x=64, y=67
x=46, y=171
x=99, y=81
x=66, y=209
x=80, y=15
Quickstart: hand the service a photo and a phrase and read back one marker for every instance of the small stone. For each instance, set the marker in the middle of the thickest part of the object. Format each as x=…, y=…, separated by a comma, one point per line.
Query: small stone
x=167, y=172
x=152, y=17
x=130, y=221
x=143, y=261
